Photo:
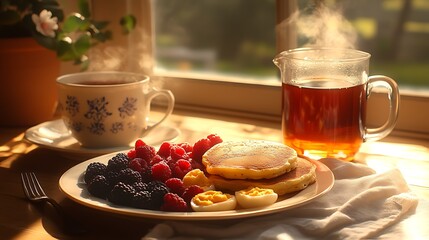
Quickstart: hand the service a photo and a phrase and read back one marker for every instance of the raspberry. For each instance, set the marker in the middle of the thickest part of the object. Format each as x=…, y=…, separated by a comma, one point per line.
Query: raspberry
x=195, y=164
x=142, y=199
x=122, y=194
x=161, y=171
x=131, y=154
x=181, y=168
x=118, y=162
x=177, y=152
x=164, y=149
x=174, y=203
x=188, y=148
x=129, y=176
x=139, y=143
x=156, y=159
x=138, y=164
x=94, y=169
x=190, y=192
x=146, y=152
x=170, y=162
x=214, y=139
x=175, y=185
x=200, y=147
x=99, y=186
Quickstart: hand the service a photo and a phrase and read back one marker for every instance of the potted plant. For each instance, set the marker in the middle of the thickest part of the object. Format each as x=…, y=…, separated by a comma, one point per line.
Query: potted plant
x=35, y=35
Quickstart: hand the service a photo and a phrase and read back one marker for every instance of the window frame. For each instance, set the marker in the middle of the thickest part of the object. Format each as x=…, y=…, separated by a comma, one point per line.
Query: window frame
x=229, y=96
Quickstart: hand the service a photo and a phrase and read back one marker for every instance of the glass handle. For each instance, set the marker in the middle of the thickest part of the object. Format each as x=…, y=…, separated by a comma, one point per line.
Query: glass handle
x=378, y=81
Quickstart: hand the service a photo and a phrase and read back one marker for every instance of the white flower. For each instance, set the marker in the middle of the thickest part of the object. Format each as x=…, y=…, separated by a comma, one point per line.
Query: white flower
x=45, y=23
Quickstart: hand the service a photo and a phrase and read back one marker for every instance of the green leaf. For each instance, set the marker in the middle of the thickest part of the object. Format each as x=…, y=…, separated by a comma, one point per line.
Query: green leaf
x=84, y=8
x=102, y=36
x=65, y=51
x=128, y=23
x=100, y=24
x=83, y=62
x=82, y=44
x=75, y=22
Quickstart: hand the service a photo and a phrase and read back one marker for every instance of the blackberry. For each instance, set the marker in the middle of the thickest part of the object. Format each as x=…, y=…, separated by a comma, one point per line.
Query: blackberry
x=146, y=175
x=154, y=184
x=122, y=194
x=118, y=162
x=99, y=187
x=157, y=191
x=129, y=176
x=140, y=186
x=94, y=169
x=112, y=177
x=142, y=199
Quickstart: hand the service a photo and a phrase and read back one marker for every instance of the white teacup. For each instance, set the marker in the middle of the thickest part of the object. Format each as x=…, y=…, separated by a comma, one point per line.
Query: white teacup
x=108, y=109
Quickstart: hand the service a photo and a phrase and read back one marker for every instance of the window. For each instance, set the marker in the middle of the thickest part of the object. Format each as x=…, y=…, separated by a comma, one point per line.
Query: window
x=216, y=55
x=225, y=37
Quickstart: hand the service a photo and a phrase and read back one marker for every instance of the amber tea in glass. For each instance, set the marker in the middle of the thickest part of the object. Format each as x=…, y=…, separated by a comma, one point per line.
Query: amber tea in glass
x=324, y=96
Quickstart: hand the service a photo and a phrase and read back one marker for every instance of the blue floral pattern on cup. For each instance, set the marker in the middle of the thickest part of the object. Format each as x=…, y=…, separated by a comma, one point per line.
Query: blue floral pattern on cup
x=128, y=107
x=98, y=113
x=97, y=128
x=116, y=127
x=97, y=109
x=77, y=126
x=72, y=105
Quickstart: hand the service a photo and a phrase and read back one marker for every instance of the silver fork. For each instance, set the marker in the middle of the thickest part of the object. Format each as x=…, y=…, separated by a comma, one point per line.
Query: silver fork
x=34, y=192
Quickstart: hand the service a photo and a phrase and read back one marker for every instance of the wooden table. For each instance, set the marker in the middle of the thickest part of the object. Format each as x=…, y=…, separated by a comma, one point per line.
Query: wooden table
x=20, y=219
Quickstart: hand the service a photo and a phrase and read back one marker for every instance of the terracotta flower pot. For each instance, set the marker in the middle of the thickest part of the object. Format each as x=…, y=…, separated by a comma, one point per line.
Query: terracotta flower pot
x=28, y=92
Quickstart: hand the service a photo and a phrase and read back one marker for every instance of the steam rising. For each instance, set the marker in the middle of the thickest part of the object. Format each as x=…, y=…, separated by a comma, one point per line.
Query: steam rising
x=324, y=27
x=128, y=53
x=109, y=58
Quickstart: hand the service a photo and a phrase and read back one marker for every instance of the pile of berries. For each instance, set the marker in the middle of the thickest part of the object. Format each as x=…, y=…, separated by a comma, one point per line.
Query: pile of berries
x=149, y=179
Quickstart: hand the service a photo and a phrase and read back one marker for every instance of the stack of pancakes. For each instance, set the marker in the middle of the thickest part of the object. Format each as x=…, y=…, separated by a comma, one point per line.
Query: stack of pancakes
x=233, y=166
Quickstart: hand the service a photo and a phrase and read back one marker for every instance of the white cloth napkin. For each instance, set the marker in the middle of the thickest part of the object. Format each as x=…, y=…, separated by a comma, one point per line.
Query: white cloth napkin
x=362, y=204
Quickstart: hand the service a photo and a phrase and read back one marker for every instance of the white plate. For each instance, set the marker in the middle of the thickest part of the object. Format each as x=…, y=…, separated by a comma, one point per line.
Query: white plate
x=72, y=184
x=54, y=135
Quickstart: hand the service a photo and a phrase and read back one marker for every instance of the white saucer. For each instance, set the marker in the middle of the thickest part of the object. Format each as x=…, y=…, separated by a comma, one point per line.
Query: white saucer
x=54, y=135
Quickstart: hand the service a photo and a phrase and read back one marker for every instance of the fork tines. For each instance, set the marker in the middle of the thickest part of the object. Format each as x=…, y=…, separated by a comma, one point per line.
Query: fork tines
x=31, y=185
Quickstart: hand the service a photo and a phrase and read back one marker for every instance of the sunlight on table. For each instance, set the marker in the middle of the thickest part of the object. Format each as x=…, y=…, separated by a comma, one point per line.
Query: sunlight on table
x=412, y=160
x=13, y=149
